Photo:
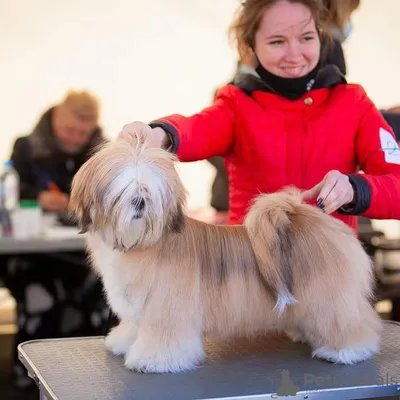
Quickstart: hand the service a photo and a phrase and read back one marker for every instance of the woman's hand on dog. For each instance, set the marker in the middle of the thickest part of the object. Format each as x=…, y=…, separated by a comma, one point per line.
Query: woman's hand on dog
x=333, y=192
x=131, y=131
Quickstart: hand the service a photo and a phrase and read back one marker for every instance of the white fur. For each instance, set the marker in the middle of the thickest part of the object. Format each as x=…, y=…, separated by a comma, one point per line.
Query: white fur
x=284, y=299
x=143, y=349
x=117, y=281
x=349, y=355
x=149, y=354
x=121, y=337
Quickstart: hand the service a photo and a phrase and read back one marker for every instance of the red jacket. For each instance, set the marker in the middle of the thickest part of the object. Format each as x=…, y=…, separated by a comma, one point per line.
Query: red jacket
x=269, y=142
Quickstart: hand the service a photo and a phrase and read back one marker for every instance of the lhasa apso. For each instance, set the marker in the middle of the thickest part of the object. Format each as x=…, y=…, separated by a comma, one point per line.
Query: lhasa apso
x=174, y=281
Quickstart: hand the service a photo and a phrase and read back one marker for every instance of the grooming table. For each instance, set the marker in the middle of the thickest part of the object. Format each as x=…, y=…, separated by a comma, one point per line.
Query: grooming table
x=266, y=368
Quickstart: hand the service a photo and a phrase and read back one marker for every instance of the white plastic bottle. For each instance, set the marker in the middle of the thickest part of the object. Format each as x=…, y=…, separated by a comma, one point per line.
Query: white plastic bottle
x=9, y=187
x=9, y=197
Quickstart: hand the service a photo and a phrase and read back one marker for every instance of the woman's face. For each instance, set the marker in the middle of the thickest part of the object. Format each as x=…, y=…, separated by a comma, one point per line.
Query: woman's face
x=287, y=42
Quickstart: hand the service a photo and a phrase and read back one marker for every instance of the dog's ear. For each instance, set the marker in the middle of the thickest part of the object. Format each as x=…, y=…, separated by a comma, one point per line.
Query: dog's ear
x=177, y=219
x=84, y=221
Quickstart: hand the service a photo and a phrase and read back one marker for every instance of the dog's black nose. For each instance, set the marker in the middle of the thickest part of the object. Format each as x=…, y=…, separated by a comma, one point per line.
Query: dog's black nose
x=138, y=203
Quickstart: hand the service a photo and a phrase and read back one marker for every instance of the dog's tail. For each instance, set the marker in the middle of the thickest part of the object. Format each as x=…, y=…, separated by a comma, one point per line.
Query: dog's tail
x=269, y=224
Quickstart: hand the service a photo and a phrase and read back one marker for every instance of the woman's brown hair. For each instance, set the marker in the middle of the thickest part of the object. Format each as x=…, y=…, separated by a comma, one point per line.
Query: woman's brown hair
x=248, y=18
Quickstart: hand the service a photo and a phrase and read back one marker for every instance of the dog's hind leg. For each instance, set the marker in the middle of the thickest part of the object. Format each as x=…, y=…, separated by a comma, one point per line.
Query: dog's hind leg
x=121, y=337
x=344, y=341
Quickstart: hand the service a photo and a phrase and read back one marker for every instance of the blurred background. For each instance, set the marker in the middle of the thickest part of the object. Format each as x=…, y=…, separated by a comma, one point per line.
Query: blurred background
x=146, y=60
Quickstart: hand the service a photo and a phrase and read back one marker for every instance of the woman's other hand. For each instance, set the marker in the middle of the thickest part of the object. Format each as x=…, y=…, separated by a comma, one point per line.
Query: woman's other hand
x=333, y=192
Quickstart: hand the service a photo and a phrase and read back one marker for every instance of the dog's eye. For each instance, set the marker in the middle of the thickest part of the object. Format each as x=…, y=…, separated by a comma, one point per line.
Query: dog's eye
x=138, y=203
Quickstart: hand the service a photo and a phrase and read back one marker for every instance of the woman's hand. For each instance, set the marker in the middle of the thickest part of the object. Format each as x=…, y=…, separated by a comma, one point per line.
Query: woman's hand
x=333, y=192
x=158, y=136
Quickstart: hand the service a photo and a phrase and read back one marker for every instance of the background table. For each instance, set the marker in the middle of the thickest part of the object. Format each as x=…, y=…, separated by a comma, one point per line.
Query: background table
x=55, y=239
x=77, y=369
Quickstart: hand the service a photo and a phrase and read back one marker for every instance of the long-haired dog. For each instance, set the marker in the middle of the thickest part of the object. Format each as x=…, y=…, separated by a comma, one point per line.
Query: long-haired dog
x=174, y=281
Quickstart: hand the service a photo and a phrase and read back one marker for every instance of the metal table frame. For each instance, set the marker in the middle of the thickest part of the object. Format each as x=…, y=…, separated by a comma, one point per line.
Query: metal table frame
x=82, y=368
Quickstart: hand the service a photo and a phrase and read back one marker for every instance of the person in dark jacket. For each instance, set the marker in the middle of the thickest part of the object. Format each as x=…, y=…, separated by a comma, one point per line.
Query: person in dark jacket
x=339, y=23
x=48, y=158
x=392, y=117
x=57, y=294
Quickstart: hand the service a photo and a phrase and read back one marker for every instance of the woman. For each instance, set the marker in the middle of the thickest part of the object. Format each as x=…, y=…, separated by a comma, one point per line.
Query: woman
x=292, y=123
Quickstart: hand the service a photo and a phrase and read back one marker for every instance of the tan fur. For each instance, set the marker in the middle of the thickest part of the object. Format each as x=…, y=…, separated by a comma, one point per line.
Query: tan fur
x=173, y=280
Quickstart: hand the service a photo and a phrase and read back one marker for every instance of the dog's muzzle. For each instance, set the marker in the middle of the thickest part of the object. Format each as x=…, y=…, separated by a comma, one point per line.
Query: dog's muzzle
x=139, y=204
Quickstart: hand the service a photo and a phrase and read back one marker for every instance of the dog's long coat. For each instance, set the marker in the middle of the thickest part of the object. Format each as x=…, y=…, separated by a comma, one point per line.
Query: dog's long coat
x=172, y=279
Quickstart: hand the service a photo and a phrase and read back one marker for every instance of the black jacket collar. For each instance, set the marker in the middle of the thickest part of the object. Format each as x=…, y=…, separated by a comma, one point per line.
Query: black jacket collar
x=249, y=80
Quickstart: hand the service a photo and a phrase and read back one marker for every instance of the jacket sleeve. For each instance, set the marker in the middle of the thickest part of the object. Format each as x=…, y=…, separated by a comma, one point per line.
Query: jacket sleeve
x=20, y=158
x=206, y=134
x=377, y=187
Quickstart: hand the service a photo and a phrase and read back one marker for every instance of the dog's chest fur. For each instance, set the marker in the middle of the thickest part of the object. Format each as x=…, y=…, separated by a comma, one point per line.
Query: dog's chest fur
x=126, y=287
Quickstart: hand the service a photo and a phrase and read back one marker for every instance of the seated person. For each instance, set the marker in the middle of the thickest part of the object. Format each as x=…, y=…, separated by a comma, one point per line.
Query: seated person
x=48, y=158
x=58, y=295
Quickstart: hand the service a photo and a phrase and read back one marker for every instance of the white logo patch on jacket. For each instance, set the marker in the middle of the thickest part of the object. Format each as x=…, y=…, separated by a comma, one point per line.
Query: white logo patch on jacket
x=389, y=146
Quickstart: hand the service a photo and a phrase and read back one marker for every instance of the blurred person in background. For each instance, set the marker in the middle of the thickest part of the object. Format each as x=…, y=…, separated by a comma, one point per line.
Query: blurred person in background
x=48, y=158
x=338, y=21
x=57, y=294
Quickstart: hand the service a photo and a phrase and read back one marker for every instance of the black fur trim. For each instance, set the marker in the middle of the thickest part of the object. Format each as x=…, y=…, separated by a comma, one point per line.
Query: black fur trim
x=363, y=195
x=170, y=131
x=327, y=77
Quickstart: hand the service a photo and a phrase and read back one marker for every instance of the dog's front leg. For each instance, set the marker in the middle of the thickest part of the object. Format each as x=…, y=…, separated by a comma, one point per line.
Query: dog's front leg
x=166, y=346
x=121, y=337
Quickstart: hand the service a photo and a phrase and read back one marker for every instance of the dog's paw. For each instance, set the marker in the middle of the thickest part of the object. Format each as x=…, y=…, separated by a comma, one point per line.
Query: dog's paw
x=121, y=338
x=150, y=358
x=349, y=355
x=295, y=336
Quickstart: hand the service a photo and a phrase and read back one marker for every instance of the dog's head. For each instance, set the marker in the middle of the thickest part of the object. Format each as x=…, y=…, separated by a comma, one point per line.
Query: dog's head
x=130, y=193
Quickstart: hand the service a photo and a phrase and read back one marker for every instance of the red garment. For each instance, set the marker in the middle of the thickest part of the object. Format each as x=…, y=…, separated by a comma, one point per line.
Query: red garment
x=270, y=142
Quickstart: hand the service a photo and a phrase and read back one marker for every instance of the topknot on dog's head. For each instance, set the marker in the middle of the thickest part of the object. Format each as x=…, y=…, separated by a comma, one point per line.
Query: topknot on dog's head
x=138, y=135
x=138, y=139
